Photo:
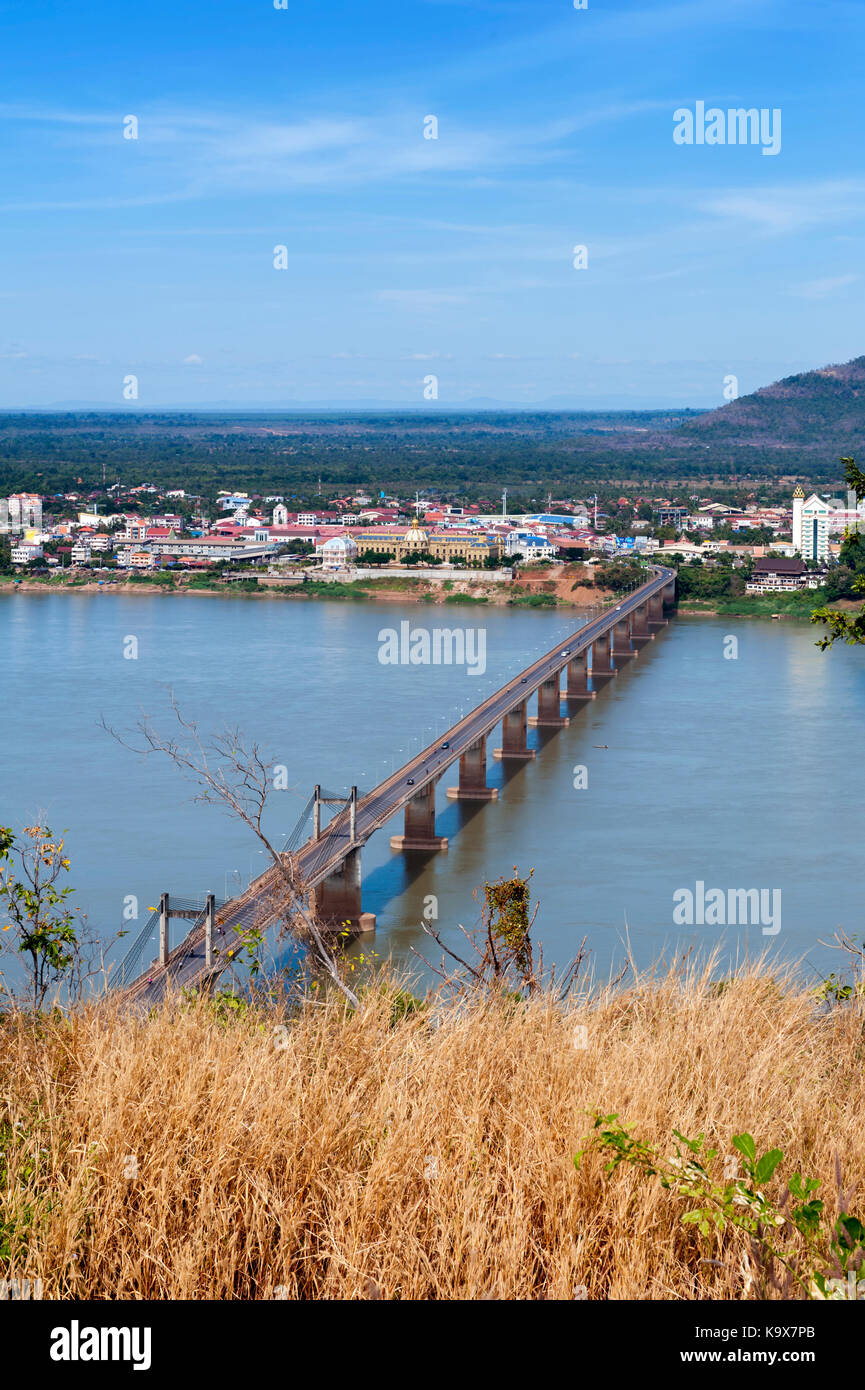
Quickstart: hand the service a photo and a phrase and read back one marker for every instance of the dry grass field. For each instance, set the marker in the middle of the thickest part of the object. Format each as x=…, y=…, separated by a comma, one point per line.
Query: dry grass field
x=357, y=1155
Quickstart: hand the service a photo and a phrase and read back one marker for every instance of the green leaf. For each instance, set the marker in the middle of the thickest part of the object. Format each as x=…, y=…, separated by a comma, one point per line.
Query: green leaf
x=745, y=1144
x=851, y=1232
x=767, y=1165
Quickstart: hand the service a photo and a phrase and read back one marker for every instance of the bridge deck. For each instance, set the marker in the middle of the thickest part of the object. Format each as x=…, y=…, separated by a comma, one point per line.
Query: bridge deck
x=264, y=901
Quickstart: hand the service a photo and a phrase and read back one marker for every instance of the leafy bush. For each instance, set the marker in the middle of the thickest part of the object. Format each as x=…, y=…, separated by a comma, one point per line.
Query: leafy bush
x=795, y=1249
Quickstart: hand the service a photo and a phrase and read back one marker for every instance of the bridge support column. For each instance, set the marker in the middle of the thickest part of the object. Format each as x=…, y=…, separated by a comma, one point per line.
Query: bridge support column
x=420, y=823
x=514, y=735
x=600, y=668
x=670, y=594
x=549, y=715
x=640, y=633
x=622, y=642
x=336, y=900
x=209, y=920
x=164, y=919
x=473, y=776
x=656, y=612
x=577, y=687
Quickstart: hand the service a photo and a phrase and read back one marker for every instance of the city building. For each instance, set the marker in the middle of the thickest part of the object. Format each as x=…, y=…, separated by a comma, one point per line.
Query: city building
x=810, y=525
x=337, y=552
x=25, y=552
x=474, y=547
x=774, y=575
x=529, y=545
x=213, y=548
x=672, y=516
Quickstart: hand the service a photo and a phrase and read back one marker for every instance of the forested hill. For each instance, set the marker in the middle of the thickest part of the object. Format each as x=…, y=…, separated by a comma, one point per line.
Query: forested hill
x=796, y=428
x=824, y=408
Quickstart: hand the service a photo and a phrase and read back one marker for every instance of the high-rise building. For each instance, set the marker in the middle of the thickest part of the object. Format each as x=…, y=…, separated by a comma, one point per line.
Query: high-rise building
x=810, y=525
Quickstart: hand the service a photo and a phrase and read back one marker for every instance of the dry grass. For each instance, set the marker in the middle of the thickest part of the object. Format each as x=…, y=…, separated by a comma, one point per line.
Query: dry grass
x=366, y=1159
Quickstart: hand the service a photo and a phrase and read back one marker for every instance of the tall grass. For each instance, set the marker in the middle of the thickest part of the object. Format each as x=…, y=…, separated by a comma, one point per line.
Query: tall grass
x=429, y=1155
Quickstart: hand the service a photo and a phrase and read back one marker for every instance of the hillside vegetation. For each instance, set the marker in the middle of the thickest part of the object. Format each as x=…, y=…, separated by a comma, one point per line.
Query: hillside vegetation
x=798, y=426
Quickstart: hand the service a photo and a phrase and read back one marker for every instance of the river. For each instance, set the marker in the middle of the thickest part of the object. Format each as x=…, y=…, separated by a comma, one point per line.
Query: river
x=691, y=767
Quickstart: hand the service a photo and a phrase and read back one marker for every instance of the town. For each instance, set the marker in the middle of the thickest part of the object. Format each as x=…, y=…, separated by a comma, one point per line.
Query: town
x=147, y=529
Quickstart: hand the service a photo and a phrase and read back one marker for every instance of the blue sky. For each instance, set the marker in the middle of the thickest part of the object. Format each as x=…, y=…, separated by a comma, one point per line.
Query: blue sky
x=409, y=257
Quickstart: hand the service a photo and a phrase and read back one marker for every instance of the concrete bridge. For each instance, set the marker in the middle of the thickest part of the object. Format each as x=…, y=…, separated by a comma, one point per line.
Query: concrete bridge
x=328, y=865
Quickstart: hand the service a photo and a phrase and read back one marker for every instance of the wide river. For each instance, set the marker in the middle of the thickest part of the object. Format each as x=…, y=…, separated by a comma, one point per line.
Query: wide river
x=691, y=767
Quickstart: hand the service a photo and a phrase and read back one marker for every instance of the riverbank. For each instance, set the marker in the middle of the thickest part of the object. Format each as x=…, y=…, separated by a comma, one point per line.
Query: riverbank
x=564, y=587
x=783, y=607
x=418, y=1150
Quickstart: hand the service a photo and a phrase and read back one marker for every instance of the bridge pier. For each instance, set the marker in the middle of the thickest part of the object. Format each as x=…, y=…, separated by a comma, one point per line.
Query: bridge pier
x=621, y=642
x=640, y=633
x=209, y=923
x=164, y=920
x=420, y=823
x=669, y=593
x=577, y=685
x=336, y=900
x=549, y=715
x=656, y=612
x=514, y=726
x=600, y=667
x=473, y=776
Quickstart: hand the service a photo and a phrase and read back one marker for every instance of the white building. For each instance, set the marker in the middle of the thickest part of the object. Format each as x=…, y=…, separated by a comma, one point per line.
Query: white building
x=137, y=559
x=529, y=545
x=23, y=554
x=280, y=515
x=810, y=525
x=338, y=552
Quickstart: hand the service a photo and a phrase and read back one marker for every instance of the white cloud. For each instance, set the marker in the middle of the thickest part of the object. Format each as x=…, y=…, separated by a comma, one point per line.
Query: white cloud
x=788, y=208
x=823, y=289
x=193, y=360
x=421, y=299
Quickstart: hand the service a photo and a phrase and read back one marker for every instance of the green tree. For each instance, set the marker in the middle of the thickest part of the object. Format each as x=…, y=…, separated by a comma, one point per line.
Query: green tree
x=846, y=627
x=44, y=926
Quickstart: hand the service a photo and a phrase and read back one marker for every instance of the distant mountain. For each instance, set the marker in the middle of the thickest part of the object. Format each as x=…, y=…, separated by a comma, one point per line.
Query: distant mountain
x=822, y=409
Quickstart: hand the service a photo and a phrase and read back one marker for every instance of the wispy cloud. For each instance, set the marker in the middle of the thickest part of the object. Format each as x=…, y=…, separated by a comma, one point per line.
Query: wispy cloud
x=421, y=299
x=185, y=155
x=825, y=288
x=783, y=209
